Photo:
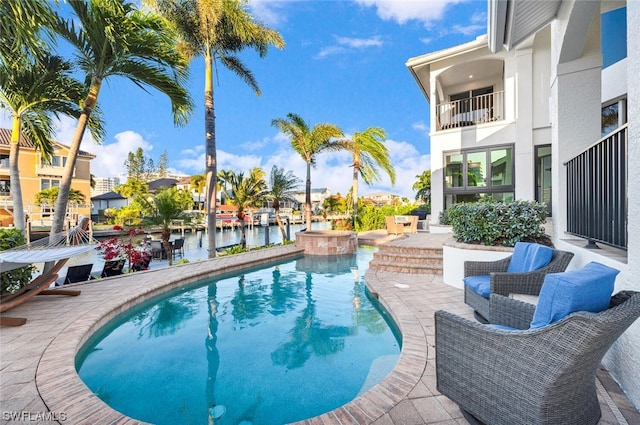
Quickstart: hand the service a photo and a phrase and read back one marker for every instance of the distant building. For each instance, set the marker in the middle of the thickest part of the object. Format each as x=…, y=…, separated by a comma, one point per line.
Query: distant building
x=163, y=183
x=382, y=198
x=318, y=196
x=105, y=201
x=104, y=185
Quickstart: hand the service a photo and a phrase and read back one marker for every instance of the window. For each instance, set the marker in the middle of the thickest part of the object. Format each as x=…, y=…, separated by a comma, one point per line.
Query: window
x=49, y=183
x=4, y=160
x=473, y=174
x=56, y=161
x=613, y=116
x=5, y=188
x=543, y=176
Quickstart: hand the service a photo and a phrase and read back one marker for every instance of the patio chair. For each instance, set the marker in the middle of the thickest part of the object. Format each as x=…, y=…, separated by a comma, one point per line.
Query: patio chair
x=522, y=273
x=157, y=250
x=75, y=274
x=543, y=375
x=178, y=248
x=113, y=268
x=393, y=228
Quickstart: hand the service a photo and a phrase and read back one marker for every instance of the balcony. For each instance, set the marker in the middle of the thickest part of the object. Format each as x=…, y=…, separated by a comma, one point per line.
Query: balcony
x=472, y=111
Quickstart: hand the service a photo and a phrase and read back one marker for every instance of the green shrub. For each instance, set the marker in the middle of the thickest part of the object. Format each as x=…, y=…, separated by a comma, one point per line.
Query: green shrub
x=12, y=280
x=501, y=223
x=371, y=217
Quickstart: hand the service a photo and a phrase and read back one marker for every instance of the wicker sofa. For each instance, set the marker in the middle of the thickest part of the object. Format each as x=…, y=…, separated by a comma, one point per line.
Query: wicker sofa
x=505, y=283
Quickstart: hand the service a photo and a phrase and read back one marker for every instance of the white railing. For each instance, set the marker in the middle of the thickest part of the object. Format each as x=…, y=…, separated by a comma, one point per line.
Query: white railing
x=472, y=111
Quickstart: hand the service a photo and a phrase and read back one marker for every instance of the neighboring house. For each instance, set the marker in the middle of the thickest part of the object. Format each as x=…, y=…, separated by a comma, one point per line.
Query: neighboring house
x=164, y=183
x=106, y=201
x=382, y=198
x=318, y=196
x=520, y=114
x=198, y=198
x=35, y=176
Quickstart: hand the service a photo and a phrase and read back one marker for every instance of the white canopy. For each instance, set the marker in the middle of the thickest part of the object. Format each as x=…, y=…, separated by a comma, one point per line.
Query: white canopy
x=13, y=259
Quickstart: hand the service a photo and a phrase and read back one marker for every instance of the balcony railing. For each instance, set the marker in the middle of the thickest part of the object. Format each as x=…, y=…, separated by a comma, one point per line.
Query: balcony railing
x=597, y=191
x=472, y=111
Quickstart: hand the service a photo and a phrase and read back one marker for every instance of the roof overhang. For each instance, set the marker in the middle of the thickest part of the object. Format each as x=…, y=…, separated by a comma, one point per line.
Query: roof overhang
x=510, y=22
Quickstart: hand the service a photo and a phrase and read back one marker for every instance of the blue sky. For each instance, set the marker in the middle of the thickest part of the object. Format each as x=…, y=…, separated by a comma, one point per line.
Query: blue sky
x=344, y=63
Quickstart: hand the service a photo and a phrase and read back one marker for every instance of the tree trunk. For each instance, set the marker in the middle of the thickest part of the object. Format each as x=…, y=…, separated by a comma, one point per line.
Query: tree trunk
x=355, y=196
x=60, y=208
x=210, y=143
x=166, y=235
x=14, y=176
x=276, y=207
x=307, y=198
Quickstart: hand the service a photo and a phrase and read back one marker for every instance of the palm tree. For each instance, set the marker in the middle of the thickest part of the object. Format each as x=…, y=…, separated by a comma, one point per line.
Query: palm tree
x=113, y=38
x=369, y=153
x=283, y=188
x=34, y=90
x=22, y=26
x=198, y=183
x=308, y=143
x=247, y=192
x=217, y=30
x=169, y=205
x=224, y=176
x=423, y=186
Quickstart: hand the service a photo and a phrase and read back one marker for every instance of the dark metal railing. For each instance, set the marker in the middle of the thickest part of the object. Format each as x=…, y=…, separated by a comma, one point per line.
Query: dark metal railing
x=597, y=191
x=472, y=111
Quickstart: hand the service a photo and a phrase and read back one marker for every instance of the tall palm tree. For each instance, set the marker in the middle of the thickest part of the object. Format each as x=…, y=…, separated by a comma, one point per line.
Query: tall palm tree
x=423, y=186
x=217, y=30
x=249, y=191
x=34, y=90
x=308, y=143
x=23, y=24
x=283, y=187
x=369, y=153
x=113, y=38
x=224, y=176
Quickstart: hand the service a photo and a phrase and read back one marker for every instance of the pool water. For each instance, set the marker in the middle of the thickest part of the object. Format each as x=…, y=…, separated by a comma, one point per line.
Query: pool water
x=271, y=346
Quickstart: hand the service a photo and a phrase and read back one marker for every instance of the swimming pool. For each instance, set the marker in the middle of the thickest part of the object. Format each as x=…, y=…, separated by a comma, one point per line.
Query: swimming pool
x=269, y=346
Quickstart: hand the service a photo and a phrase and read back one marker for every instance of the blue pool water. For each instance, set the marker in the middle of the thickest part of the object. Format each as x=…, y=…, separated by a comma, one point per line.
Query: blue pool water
x=269, y=346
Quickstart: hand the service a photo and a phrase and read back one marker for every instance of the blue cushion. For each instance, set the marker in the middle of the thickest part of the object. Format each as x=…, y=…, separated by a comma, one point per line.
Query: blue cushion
x=528, y=257
x=480, y=284
x=585, y=289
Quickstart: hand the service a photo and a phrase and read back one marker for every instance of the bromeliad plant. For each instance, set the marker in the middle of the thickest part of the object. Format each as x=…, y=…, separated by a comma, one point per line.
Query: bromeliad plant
x=124, y=247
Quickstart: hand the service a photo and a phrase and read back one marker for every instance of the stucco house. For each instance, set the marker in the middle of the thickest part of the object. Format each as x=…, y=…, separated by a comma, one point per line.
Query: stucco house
x=37, y=175
x=531, y=111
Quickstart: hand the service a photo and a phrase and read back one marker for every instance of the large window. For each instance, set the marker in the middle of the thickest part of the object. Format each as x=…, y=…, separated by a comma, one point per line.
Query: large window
x=49, y=183
x=56, y=161
x=473, y=174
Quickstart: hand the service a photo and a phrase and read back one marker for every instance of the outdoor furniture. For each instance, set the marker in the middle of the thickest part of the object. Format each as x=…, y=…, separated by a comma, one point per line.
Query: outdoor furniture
x=393, y=228
x=157, y=249
x=521, y=273
x=178, y=248
x=546, y=374
x=113, y=268
x=75, y=274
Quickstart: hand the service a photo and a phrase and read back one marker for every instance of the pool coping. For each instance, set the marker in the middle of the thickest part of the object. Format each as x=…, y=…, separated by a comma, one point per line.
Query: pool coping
x=57, y=380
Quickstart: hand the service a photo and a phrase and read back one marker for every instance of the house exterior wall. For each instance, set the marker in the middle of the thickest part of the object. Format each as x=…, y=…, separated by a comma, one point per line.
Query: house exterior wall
x=31, y=175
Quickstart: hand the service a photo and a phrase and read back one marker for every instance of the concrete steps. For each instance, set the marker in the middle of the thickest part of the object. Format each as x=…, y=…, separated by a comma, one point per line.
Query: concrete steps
x=406, y=259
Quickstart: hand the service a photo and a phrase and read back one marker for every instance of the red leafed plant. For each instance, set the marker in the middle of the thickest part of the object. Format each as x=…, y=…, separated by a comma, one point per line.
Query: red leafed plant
x=117, y=247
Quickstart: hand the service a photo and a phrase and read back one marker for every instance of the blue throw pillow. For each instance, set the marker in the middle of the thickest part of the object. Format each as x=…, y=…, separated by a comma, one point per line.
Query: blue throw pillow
x=480, y=284
x=585, y=289
x=528, y=257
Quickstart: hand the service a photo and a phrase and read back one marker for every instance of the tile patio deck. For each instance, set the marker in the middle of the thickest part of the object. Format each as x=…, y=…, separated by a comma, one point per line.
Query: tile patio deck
x=38, y=382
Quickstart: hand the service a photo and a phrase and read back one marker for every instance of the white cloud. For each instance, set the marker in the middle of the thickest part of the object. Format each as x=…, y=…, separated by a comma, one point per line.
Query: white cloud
x=421, y=127
x=348, y=44
x=425, y=11
x=268, y=12
x=110, y=157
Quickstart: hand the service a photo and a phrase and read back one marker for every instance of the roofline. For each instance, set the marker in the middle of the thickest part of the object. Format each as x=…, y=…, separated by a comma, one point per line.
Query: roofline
x=497, y=24
x=429, y=58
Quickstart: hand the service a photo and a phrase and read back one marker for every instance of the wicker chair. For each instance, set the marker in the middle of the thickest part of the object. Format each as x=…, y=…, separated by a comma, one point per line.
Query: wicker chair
x=537, y=376
x=504, y=283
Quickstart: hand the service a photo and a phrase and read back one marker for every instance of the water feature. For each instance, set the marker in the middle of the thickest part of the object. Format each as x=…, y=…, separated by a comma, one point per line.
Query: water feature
x=267, y=346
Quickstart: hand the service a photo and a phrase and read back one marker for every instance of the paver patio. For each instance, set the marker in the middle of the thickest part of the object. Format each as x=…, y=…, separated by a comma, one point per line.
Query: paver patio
x=38, y=382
